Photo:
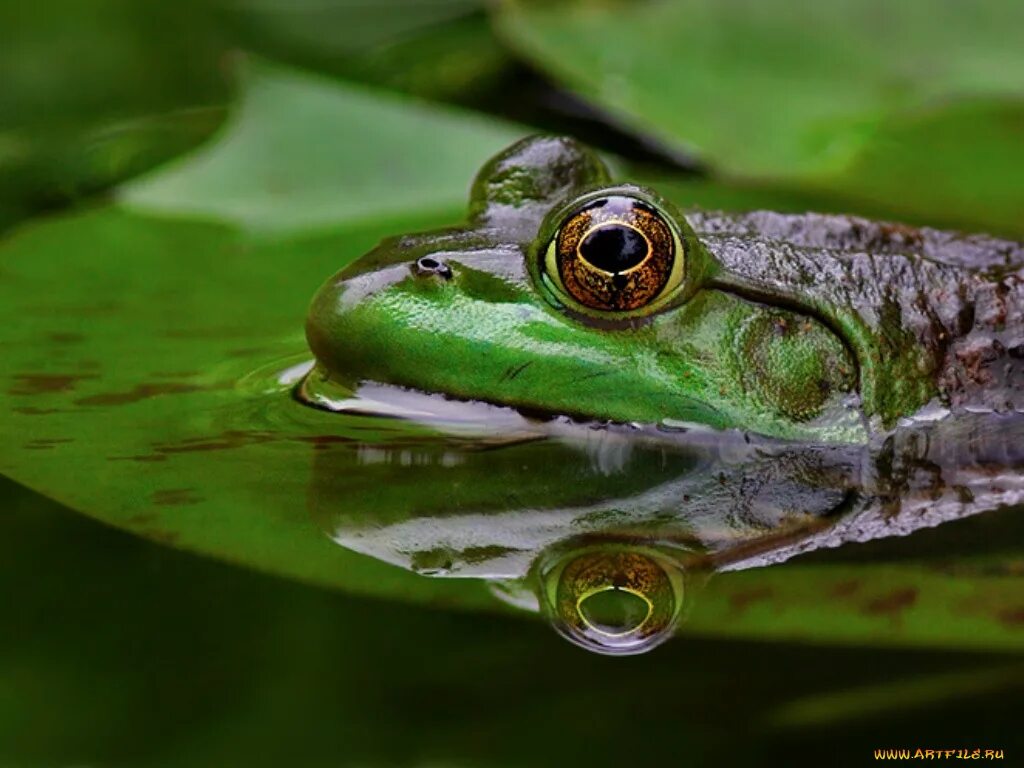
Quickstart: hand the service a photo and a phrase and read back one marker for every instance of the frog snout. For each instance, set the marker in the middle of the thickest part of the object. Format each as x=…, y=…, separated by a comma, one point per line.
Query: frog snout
x=336, y=308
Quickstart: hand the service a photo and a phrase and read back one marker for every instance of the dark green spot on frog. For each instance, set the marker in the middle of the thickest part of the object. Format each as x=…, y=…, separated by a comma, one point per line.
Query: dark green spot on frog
x=568, y=294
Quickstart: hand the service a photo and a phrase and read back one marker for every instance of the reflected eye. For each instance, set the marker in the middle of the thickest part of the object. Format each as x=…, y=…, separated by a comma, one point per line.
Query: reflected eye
x=613, y=599
x=615, y=254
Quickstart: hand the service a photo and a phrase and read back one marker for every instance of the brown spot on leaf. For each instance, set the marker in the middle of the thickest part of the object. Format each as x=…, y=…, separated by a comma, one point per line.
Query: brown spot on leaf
x=845, y=588
x=892, y=604
x=232, y=438
x=163, y=537
x=739, y=601
x=47, y=444
x=66, y=338
x=1012, y=617
x=29, y=411
x=45, y=383
x=146, y=518
x=145, y=391
x=175, y=497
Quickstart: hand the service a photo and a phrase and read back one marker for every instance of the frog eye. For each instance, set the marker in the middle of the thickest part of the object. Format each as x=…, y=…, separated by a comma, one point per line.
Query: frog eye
x=615, y=254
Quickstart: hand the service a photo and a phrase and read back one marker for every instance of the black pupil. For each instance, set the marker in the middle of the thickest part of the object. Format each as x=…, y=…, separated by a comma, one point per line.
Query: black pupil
x=614, y=248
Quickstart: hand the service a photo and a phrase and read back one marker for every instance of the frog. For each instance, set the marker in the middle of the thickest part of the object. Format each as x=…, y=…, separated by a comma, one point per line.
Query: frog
x=567, y=293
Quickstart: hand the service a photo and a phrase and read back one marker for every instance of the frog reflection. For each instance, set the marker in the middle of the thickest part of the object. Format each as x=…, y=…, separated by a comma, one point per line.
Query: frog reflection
x=604, y=530
x=612, y=532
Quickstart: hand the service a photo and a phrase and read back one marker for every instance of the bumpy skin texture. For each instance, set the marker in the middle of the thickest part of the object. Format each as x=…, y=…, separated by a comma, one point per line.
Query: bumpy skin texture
x=927, y=312
x=809, y=327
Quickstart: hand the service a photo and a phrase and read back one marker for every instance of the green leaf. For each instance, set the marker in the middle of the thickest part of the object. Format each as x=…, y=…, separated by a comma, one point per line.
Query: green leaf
x=916, y=104
x=960, y=162
x=302, y=153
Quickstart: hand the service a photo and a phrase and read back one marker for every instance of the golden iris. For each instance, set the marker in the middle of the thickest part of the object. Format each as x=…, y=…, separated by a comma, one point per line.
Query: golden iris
x=615, y=254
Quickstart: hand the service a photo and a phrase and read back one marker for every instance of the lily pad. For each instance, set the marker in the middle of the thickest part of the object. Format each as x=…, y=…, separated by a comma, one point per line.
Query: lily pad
x=151, y=345
x=302, y=153
x=911, y=104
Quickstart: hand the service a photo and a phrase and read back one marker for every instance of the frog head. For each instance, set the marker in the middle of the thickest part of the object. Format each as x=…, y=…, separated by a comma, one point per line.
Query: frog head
x=565, y=293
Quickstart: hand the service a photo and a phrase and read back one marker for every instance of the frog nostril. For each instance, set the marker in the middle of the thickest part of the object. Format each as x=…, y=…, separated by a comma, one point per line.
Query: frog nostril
x=428, y=265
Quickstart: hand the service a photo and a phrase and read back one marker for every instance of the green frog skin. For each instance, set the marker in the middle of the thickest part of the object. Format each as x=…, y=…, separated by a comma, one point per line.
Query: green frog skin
x=567, y=294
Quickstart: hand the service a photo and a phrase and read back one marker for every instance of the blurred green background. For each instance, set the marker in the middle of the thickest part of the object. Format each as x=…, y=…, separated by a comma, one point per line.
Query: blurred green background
x=278, y=122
